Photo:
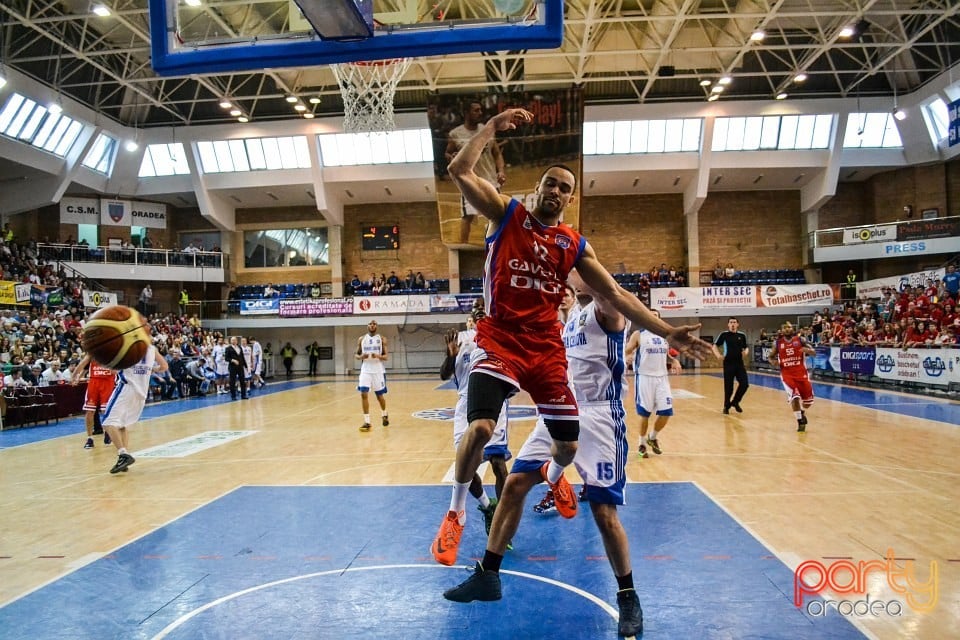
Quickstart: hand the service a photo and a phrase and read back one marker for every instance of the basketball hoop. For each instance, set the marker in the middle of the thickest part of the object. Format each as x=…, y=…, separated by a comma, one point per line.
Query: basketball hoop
x=368, y=89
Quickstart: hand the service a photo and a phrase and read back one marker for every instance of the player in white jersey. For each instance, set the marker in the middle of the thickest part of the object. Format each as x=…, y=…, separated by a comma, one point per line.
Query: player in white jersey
x=460, y=347
x=126, y=404
x=371, y=352
x=247, y=351
x=652, y=364
x=221, y=367
x=257, y=363
x=593, y=336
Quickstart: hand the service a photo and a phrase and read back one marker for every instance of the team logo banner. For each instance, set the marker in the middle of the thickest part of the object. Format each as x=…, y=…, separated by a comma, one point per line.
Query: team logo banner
x=929, y=366
x=858, y=360
x=113, y=212
x=79, y=211
x=794, y=295
x=312, y=308
x=857, y=235
x=391, y=304
x=98, y=299
x=261, y=307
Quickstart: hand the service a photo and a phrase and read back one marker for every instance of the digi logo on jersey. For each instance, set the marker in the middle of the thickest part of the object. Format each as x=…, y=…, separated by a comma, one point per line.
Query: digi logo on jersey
x=540, y=277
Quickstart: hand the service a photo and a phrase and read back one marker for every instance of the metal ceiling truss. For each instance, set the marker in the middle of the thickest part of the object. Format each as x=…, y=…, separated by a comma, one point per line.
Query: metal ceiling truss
x=619, y=51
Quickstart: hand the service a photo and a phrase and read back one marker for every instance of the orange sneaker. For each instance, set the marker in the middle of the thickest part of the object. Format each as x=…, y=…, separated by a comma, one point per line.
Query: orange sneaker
x=447, y=542
x=563, y=496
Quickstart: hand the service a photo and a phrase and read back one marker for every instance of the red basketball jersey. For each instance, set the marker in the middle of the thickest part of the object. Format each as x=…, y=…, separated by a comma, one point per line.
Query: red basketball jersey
x=526, y=269
x=99, y=371
x=790, y=354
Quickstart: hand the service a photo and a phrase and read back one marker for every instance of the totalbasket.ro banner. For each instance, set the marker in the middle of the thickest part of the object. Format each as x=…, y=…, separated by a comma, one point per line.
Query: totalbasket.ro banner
x=851, y=583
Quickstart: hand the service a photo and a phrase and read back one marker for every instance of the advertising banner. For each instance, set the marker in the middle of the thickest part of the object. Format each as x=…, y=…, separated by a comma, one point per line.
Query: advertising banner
x=858, y=235
x=675, y=299
x=22, y=292
x=41, y=295
x=858, y=360
x=391, y=304
x=261, y=307
x=874, y=288
x=315, y=307
x=453, y=302
x=98, y=299
x=794, y=295
x=113, y=212
x=821, y=361
x=928, y=366
x=80, y=211
x=8, y=292
x=953, y=123
x=934, y=228
x=727, y=297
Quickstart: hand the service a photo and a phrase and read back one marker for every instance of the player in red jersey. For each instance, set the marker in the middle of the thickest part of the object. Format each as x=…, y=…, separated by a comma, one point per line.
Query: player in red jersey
x=98, y=393
x=529, y=256
x=788, y=353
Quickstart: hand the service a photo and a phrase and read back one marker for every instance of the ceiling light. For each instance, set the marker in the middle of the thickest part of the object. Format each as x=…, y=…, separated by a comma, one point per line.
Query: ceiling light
x=300, y=107
x=235, y=112
x=291, y=99
x=705, y=83
x=314, y=100
x=55, y=108
x=846, y=32
x=226, y=104
x=725, y=80
x=714, y=97
x=101, y=10
x=758, y=35
x=131, y=146
x=3, y=82
x=308, y=116
x=717, y=89
x=781, y=96
x=243, y=119
x=192, y=3
x=800, y=77
x=899, y=113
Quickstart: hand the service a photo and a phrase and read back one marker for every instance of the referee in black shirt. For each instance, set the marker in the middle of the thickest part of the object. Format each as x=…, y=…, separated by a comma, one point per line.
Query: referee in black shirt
x=734, y=346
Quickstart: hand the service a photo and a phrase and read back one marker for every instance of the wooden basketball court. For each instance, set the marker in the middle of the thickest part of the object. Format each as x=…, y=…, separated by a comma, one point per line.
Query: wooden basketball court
x=875, y=471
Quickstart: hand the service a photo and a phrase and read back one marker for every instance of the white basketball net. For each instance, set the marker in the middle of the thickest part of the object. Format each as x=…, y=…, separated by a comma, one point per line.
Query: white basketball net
x=368, y=89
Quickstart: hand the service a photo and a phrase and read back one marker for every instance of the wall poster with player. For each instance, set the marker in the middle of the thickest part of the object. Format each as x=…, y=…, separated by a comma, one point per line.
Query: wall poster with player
x=515, y=162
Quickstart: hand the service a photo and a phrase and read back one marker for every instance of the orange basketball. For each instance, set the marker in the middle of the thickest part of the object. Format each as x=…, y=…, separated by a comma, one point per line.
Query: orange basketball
x=117, y=337
x=673, y=353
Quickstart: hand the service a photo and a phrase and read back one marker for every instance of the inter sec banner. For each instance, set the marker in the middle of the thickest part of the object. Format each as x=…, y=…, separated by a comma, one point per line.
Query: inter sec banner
x=928, y=366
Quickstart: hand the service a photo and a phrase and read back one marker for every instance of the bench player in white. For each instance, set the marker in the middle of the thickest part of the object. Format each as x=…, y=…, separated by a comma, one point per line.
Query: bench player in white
x=653, y=361
x=371, y=352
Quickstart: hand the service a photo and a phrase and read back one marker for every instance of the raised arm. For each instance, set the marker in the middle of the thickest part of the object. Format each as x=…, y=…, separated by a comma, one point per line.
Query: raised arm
x=477, y=191
x=600, y=280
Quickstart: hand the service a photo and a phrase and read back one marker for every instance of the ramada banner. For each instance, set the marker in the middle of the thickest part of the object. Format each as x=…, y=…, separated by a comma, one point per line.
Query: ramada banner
x=747, y=297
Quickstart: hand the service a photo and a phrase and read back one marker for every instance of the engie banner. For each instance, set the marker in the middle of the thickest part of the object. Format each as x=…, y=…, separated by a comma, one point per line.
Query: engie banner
x=261, y=307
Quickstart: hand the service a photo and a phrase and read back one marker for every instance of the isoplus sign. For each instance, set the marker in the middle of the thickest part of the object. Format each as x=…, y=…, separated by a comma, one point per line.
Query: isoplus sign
x=844, y=577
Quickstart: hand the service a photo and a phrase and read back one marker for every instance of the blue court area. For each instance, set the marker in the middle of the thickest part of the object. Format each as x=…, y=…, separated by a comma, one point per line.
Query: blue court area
x=902, y=404
x=353, y=562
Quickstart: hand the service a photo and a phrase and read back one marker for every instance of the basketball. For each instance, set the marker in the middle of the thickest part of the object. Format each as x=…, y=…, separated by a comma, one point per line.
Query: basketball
x=117, y=337
x=673, y=353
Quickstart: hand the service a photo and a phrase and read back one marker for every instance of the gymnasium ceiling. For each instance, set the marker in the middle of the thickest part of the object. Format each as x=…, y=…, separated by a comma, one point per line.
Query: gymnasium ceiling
x=619, y=51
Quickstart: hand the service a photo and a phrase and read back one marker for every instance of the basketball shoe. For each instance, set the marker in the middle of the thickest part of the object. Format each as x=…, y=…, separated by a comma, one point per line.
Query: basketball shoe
x=365, y=427
x=631, y=614
x=124, y=460
x=447, y=542
x=563, y=496
x=546, y=505
x=654, y=445
x=488, y=513
x=482, y=585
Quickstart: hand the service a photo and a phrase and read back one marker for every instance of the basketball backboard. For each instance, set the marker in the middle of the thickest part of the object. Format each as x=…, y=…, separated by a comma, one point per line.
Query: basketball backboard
x=262, y=34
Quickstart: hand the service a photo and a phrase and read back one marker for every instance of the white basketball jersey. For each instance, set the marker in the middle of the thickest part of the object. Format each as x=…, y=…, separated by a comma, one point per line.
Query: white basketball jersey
x=371, y=344
x=650, y=358
x=594, y=356
x=465, y=336
x=137, y=377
